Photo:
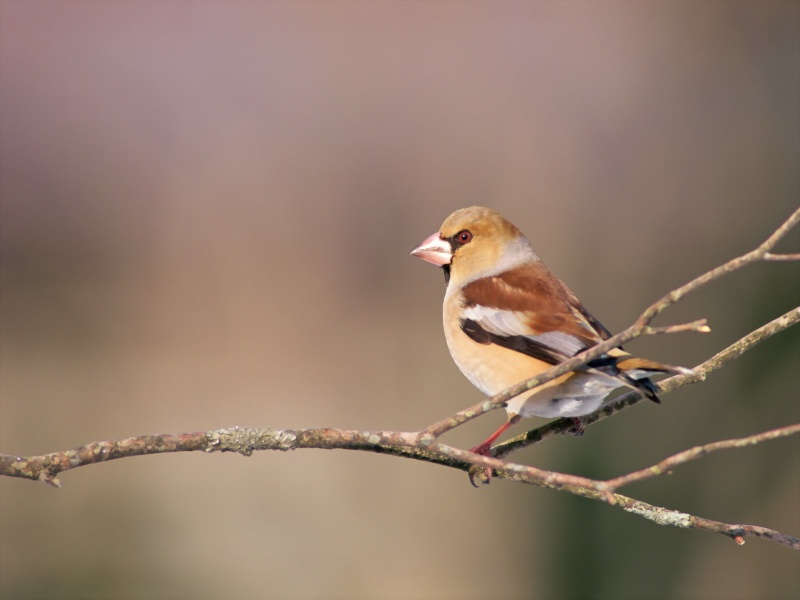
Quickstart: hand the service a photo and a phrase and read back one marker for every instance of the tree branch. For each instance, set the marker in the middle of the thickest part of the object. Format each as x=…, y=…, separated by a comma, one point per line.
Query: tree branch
x=424, y=445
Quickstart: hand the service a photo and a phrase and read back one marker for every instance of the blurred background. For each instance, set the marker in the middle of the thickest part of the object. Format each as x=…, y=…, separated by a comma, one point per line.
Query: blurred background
x=207, y=212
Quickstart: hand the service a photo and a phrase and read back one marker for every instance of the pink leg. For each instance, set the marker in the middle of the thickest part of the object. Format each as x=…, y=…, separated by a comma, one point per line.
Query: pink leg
x=484, y=448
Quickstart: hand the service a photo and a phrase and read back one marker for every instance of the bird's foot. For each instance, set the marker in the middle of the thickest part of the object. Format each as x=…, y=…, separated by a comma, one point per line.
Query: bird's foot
x=577, y=428
x=481, y=473
x=484, y=474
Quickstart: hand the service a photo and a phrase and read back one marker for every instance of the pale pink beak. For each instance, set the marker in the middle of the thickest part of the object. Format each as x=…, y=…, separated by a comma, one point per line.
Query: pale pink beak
x=434, y=250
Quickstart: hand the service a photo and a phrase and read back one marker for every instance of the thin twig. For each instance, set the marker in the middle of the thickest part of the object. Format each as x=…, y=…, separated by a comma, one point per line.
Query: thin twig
x=779, y=257
x=700, y=326
x=697, y=452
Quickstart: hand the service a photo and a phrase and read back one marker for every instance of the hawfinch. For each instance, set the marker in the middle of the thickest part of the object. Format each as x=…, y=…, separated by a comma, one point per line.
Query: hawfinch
x=507, y=318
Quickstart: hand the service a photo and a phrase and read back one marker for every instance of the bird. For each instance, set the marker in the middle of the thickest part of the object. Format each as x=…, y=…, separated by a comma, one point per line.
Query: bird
x=508, y=318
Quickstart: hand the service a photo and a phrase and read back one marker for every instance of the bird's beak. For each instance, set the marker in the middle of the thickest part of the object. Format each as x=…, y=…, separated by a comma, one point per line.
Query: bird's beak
x=435, y=250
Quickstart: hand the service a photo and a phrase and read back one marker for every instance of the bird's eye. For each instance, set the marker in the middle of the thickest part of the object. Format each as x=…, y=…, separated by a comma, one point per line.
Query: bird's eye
x=464, y=236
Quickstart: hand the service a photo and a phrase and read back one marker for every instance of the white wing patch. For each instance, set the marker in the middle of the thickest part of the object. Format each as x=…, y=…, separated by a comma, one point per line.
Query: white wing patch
x=562, y=342
x=510, y=323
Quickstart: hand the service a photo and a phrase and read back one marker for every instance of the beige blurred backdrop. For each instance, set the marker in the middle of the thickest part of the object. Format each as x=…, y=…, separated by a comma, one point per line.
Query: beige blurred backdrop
x=207, y=210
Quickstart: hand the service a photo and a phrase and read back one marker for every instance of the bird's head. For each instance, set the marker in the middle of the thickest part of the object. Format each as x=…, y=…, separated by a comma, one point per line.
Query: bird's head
x=475, y=242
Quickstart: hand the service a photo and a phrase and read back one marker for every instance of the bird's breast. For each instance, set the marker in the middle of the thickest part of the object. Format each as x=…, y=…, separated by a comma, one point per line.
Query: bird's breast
x=489, y=367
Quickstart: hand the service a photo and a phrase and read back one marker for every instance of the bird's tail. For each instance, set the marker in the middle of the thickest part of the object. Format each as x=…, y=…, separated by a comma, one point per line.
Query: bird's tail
x=635, y=372
x=650, y=367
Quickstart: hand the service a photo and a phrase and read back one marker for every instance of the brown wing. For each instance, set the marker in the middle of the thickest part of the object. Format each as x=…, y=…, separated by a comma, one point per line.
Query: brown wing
x=529, y=310
x=532, y=303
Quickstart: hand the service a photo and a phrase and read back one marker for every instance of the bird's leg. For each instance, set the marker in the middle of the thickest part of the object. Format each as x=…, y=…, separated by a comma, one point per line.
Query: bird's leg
x=485, y=449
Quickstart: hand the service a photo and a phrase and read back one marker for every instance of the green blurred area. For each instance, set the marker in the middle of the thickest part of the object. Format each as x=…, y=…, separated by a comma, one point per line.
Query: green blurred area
x=206, y=211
